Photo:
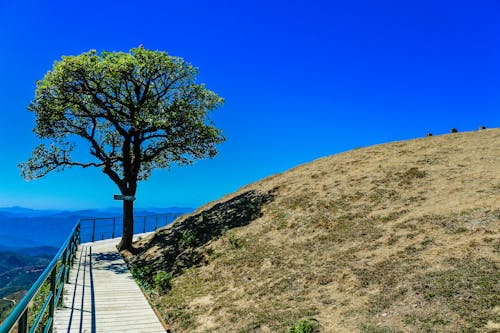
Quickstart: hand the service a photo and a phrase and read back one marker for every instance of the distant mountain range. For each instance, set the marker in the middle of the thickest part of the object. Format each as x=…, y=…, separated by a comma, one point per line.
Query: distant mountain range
x=22, y=228
x=113, y=211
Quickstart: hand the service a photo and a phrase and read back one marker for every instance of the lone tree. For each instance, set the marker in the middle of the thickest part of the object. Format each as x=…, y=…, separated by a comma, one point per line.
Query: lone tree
x=137, y=111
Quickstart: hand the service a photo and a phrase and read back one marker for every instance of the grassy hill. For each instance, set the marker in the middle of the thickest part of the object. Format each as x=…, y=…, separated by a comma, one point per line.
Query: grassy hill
x=400, y=237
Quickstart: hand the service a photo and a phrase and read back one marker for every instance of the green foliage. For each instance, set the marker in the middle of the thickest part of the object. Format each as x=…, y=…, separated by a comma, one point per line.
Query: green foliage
x=162, y=281
x=188, y=238
x=5, y=307
x=234, y=241
x=150, y=281
x=305, y=326
x=142, y=276
x=36, y=306
x=138, y=111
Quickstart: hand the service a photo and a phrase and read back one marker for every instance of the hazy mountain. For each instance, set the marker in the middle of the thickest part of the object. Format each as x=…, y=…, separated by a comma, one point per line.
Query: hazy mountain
x=42, y=250
x=10, y=242
x=27, y=228
x=26, y=212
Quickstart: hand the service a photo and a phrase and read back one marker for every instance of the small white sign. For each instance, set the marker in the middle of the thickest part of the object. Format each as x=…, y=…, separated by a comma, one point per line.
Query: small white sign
x=124, y=197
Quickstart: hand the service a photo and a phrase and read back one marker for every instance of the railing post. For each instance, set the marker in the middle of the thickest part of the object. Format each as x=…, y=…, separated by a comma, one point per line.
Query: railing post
x=156, y=222
x=93, y=230
x=74, y=245
x=114, y=224
x=144, y=227
x=22, y=325
x=68, y=262
x=79, y=233
x=52, y=305
x=75, y=239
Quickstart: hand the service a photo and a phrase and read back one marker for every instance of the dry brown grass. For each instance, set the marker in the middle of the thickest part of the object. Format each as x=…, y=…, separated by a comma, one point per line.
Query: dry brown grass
x=401, y=237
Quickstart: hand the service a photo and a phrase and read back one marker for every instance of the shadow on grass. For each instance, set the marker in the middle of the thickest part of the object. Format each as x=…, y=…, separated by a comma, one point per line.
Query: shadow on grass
x=180, y=242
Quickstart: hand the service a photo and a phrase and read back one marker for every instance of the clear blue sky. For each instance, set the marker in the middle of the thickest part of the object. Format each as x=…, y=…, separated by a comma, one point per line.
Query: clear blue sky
x=301, y=80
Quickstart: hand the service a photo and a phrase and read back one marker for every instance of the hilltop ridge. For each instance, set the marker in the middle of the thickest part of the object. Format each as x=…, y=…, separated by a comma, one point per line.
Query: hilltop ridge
x=398, y=237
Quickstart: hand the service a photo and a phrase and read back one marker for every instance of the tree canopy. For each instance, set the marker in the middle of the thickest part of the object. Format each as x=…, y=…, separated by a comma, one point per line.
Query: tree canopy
x=137, y=111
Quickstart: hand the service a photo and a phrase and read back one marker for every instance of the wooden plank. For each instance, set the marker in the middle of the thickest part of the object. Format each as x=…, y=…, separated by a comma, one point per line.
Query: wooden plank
x=102, y=296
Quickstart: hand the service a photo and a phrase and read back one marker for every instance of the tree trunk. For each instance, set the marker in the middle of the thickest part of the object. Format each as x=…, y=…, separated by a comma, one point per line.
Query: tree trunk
x=128, y=225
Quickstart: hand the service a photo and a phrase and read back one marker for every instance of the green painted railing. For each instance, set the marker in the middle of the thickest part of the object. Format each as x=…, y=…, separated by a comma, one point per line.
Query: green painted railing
x=100, y=228
x=47, y=290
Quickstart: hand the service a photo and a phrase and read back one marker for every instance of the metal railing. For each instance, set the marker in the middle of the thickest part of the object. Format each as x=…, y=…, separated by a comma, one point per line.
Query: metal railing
x=54, y=277
x=99, y=228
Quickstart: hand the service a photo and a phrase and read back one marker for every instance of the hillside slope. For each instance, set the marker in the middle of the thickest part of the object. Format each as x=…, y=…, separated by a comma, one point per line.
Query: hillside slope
x=401, y=237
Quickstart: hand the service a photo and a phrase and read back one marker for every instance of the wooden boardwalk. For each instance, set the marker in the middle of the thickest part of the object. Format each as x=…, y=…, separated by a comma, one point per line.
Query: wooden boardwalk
x=102, y=296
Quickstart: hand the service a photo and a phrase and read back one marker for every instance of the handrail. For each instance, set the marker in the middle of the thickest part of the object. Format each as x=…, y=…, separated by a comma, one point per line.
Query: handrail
x=140, y=225
x=20, y=313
